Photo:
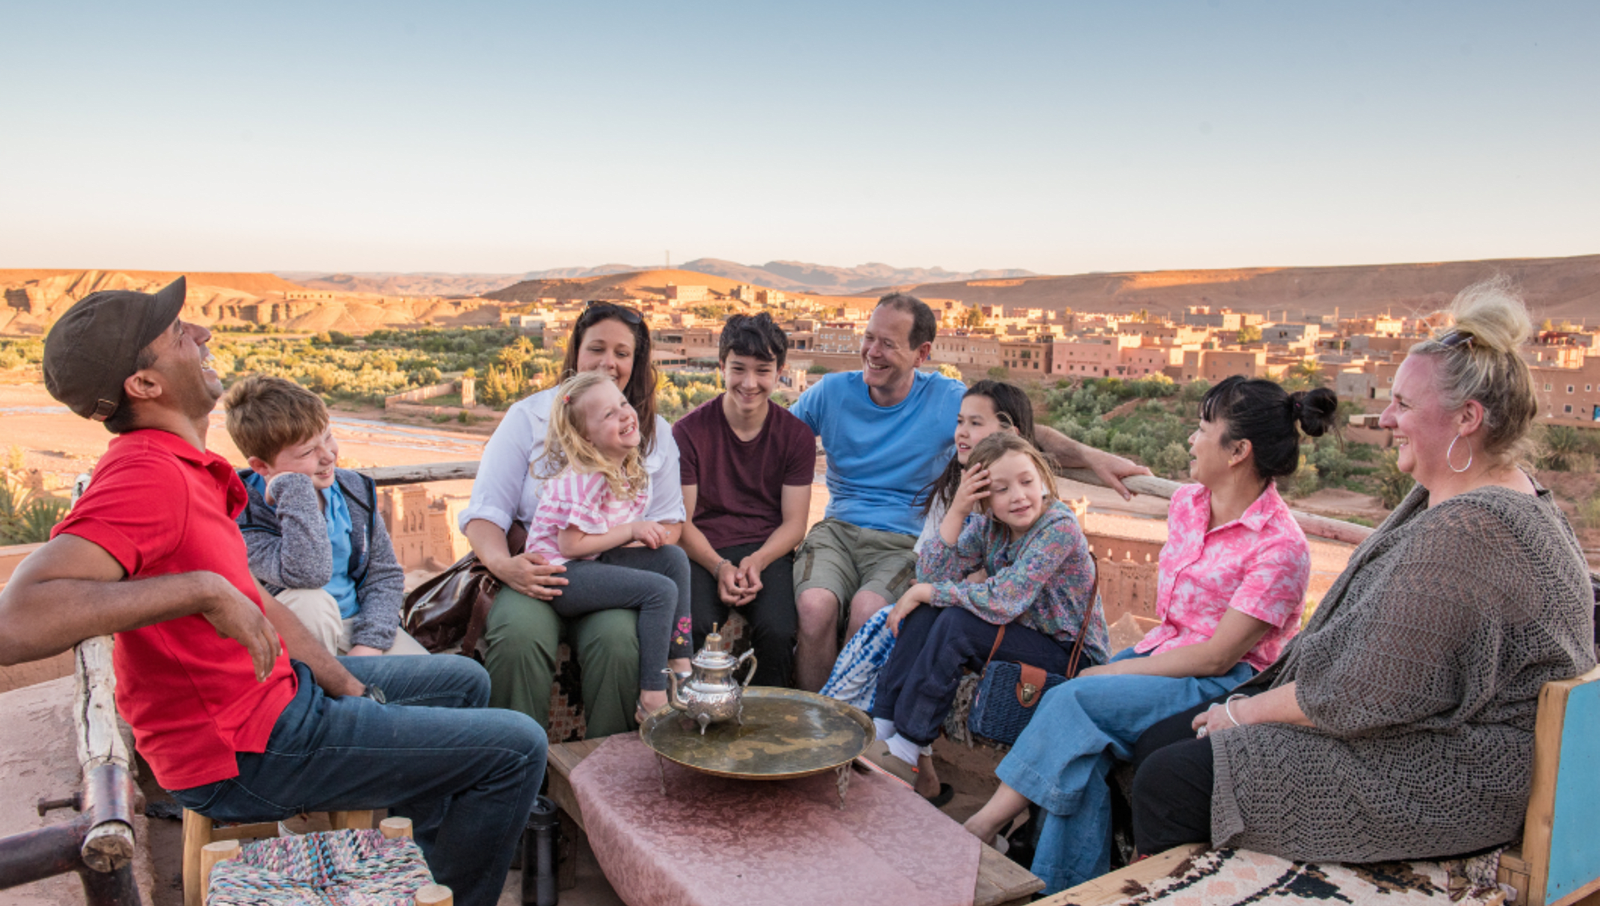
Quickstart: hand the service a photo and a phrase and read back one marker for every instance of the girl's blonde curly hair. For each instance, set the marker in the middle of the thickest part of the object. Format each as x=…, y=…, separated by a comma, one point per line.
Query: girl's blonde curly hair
x=566, y=446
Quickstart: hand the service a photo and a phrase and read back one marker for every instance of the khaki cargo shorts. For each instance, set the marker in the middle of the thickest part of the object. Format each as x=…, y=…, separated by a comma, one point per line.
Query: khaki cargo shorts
x=845, y=559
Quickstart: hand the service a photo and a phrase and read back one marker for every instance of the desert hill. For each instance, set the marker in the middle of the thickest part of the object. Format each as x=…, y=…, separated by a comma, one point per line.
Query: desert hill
x=1558, y=288
x=647, y=284
x=253, y=283
x=803, y=277
x=430, y=283
x=790, y=276
x=35, y=298
x=390, y=284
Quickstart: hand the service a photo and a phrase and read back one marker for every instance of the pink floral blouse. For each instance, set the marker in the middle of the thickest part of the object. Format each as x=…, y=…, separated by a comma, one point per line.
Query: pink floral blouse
x=1258, y=564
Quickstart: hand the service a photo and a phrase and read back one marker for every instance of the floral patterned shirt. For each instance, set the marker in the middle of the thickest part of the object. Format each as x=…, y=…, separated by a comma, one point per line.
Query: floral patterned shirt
x=1043, y=580
x=1258, y=564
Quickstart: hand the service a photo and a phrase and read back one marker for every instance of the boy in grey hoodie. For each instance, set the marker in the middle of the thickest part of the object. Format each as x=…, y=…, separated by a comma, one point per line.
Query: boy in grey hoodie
x=311, y=528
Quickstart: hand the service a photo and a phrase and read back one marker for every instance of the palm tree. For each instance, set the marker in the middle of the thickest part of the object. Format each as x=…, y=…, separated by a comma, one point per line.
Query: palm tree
x=1308, y=372
x=1561, y=447
x=517, y=354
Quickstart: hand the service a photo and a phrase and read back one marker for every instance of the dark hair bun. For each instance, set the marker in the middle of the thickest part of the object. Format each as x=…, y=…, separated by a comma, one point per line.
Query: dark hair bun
x=1315, y=410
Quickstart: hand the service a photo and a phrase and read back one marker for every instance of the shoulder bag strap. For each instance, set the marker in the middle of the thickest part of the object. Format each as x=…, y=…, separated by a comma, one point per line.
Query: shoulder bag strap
x=1083, y=627
x=998, y=636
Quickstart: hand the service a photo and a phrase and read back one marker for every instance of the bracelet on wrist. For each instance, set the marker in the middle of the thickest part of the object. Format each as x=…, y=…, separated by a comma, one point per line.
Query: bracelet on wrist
x=1227, y=707
x=716, y=571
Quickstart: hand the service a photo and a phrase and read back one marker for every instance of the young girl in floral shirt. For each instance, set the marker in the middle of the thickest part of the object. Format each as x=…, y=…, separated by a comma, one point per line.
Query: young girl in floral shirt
x=1230, y=592
x=1039, y=585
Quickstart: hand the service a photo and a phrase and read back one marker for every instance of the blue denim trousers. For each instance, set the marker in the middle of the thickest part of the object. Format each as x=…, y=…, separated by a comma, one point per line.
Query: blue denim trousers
x=1063, y=756
x=466, y=775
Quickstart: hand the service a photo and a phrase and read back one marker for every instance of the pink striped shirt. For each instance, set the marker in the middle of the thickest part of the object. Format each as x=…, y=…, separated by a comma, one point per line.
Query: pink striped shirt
x=583, y=501
x=1258, y=564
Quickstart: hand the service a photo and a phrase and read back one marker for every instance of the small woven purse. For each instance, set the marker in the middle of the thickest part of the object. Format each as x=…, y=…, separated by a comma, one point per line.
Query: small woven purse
x=1003, y=703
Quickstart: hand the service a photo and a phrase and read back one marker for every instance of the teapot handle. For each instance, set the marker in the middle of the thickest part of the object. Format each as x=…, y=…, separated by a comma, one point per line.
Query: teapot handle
x=751, y=673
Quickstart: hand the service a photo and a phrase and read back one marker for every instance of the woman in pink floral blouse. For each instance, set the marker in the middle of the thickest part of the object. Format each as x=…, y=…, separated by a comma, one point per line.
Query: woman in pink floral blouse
x=1232, y=586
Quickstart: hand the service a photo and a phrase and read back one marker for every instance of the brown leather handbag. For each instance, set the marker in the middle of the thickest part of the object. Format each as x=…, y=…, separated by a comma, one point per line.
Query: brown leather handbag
x=452, y=608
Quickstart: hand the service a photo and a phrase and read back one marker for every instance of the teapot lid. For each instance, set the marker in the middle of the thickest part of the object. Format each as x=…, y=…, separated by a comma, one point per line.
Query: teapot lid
x=715, y=653
x=714, y=641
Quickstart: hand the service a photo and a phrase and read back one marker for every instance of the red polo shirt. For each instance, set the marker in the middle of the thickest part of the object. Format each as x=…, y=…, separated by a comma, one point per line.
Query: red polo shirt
x=160, y=507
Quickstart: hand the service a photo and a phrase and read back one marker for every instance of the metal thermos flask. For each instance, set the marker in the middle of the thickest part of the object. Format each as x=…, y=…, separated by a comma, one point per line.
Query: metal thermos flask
x=539, y=855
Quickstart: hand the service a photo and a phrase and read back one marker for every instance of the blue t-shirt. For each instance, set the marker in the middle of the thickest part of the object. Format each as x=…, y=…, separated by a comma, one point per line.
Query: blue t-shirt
x=881, y=457
x=336, y=515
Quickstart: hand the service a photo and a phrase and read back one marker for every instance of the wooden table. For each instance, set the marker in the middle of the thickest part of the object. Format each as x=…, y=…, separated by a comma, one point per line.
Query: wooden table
x=1001, y=882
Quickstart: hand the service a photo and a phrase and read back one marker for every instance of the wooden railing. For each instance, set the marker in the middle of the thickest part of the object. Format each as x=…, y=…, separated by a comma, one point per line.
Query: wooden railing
x=1311, y=524
x=1317, y=526
x=99, y=844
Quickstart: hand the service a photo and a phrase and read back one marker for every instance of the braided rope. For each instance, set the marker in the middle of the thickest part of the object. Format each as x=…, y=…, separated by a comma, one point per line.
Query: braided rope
x=331, y=868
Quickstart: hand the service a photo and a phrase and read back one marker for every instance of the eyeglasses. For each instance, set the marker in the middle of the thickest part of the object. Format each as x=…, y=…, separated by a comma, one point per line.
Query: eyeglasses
x=603, y=310
x=1456, y=338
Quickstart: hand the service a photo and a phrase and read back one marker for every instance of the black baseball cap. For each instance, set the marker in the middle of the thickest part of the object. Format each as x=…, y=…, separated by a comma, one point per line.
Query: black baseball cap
x=96, y=344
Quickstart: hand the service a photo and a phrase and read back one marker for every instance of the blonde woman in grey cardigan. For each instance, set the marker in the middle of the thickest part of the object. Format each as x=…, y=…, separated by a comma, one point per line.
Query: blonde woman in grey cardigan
x=1399, y=725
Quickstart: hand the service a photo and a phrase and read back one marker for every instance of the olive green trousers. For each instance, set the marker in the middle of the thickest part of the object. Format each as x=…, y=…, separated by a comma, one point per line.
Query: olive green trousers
x=519, y=646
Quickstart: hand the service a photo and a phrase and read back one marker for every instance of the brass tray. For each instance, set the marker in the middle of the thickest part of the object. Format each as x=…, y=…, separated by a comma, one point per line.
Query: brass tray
x=786, y=733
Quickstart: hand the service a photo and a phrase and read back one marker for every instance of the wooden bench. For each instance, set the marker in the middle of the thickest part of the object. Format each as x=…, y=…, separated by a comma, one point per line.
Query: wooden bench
x=1001, y=882
x=1558, y=861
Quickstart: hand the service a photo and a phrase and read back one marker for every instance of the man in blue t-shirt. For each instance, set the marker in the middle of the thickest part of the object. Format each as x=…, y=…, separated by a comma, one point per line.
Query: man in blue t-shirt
x=887, y=431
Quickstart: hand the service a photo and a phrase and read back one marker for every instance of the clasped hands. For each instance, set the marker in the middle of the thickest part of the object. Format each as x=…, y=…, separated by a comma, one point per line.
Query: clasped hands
x=737, y=585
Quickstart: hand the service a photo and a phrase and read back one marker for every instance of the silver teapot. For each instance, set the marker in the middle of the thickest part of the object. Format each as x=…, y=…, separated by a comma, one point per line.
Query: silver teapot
x=711, y=694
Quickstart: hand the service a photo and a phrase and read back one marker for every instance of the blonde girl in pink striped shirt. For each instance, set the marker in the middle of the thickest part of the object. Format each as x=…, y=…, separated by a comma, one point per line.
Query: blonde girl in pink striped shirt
x=588, y=519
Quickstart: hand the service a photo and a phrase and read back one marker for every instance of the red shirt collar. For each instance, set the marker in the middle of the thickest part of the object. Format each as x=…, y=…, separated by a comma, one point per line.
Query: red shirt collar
x=215, y=463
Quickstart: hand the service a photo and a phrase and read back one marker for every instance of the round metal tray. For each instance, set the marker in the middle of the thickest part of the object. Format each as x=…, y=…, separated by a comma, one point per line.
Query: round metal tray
x=786, y=733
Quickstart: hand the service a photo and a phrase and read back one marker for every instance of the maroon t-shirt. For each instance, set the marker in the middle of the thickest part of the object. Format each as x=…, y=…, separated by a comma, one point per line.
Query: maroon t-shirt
x=740, y=498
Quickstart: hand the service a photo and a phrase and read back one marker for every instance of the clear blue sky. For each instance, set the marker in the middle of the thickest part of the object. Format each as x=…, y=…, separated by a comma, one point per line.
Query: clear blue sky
x=1060, y=137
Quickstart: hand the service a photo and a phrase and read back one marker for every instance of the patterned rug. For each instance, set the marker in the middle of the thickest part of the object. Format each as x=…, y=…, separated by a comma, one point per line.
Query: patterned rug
x=1230, y=877
x=330, y=868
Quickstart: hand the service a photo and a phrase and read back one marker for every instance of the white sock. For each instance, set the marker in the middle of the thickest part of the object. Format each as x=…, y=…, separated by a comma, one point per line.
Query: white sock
x=903, y=749
x=884, y=728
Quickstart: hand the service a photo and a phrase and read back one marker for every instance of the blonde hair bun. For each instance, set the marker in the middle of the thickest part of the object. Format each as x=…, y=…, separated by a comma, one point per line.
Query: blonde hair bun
x=1479, y=359
x=1492, y=314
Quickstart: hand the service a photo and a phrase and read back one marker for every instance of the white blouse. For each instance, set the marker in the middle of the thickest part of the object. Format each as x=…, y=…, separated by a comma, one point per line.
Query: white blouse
x=506, y=490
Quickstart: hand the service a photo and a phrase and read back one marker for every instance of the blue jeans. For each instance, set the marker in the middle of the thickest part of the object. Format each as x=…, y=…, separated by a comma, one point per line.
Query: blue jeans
x=1061, y=760
x=464, y=774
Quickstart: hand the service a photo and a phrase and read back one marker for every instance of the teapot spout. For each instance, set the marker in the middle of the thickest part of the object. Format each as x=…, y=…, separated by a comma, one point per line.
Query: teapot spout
x=674, y=690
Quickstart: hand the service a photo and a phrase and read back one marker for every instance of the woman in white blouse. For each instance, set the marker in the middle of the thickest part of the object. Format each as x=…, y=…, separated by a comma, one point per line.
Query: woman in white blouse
x=523, y=631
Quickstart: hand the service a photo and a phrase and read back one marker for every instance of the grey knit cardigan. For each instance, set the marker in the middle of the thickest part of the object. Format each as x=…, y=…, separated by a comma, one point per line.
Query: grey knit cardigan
x=1421, y=670
x=288, y=547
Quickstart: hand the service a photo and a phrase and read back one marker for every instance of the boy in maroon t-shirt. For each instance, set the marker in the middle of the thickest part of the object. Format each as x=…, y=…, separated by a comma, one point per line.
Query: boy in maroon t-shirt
x=747, y=468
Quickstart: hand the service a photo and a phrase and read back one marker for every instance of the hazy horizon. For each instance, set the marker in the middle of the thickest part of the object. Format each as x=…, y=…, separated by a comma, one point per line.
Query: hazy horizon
x=1059, y=138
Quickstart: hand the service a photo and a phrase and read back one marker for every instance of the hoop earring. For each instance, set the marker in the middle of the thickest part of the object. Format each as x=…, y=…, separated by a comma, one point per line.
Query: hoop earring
x=1451, y=452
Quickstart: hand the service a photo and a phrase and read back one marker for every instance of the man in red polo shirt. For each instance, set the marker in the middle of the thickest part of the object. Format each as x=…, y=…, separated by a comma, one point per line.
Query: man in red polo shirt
x=240, y=712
